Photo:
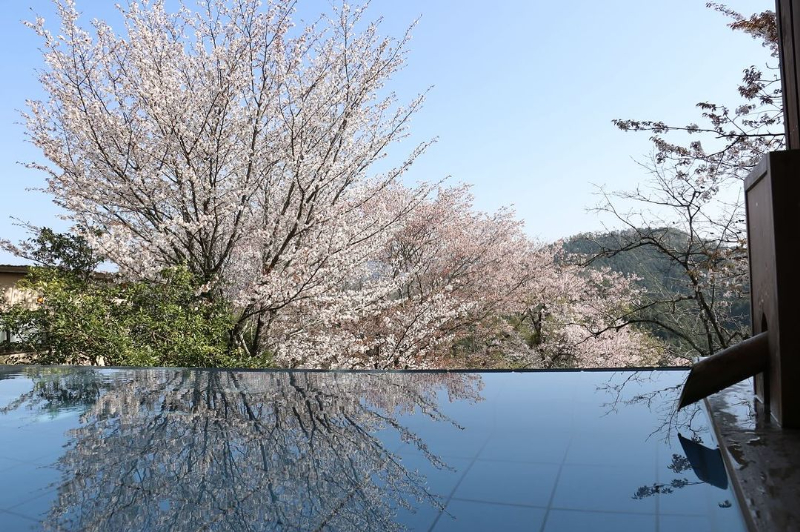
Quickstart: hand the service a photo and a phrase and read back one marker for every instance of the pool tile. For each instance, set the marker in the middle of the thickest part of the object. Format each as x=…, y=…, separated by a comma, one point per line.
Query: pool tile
x=33, y=447
x=446, y=440
x=463, y=516
x=540, y=446
x=420, y=517
x=24, y=482
x=528, y=451
x=439, y=481
x=6, y=463
x=508, y=482
x=692, y=498
x=683, y=523
x=603, y=488
x=607, y=449
x=575, y=521
x=13, y=522
x=38, y=507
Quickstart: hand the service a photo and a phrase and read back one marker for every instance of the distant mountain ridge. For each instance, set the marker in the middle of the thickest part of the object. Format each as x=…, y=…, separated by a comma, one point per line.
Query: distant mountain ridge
x=661, y=277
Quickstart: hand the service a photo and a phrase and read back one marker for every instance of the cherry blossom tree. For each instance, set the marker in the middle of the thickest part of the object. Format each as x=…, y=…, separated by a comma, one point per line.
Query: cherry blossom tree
x=226, y=140
x=473, y=290
x=574, y=316
x=457, y=272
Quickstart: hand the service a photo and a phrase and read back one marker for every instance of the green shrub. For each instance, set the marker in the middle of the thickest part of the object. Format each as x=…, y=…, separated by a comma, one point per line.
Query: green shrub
x=144, y=323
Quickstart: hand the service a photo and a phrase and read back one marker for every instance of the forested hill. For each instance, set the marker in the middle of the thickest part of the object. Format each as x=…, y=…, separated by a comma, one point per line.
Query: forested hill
x=668, y=297
x=655, y=271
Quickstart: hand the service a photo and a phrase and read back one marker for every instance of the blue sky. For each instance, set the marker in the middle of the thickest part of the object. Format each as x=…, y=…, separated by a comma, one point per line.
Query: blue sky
x=523, y=94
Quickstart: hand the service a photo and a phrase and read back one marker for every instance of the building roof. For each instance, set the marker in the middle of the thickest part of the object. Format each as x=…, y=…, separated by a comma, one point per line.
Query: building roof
x=24, y=268
x=13, y=268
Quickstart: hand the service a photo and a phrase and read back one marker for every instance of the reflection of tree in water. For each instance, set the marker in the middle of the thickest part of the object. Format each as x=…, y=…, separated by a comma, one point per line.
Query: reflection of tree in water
x=641, y=388
x=58, y=390
x=214, y=450
x=706, y=464
x=658, y=488
x=679, y=465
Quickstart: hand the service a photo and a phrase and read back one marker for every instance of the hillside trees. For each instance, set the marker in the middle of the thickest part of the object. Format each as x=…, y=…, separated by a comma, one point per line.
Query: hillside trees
x=570, y=317
x=464, y=288
x=691, y=209
x=458, y=273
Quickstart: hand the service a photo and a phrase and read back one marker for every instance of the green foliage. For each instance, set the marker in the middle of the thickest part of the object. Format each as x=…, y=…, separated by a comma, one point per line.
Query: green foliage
x=143, y=323
x=65, y=251
x=76, y=315
x=70, y=321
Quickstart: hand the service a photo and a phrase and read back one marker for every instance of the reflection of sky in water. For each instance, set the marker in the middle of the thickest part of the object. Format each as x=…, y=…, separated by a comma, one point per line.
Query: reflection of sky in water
x=187, y=450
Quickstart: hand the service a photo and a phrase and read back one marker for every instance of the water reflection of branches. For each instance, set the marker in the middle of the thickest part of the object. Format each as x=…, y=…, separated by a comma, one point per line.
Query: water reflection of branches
x=648, y=389
x=58, y=389
x=213, y=450
x=658, y=488
x=661, y=400
x=678, y=465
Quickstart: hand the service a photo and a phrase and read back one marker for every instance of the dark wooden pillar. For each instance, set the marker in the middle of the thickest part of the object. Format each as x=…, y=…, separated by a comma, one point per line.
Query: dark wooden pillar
x=772, y=193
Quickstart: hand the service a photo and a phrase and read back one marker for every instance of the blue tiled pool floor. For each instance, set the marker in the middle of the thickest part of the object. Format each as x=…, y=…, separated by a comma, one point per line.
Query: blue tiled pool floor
x=159, y=449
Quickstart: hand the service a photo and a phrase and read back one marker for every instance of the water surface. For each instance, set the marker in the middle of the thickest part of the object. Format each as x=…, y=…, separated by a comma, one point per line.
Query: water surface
x=174, y=450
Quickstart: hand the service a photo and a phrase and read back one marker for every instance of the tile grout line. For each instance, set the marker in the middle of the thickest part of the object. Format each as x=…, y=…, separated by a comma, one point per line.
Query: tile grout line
x=48, y=491
x=561, y=466
x=460, y=480
x=569, y=508
x=23, y=516
x=658, y=495
x=555, y=484
x=472, y=462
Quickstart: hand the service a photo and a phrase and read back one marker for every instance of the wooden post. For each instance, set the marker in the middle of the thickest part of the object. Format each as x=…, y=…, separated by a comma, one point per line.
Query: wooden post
x=772, y=196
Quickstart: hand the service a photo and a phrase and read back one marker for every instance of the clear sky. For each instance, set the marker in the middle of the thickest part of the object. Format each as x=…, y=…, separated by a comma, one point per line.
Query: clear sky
x=523, y=94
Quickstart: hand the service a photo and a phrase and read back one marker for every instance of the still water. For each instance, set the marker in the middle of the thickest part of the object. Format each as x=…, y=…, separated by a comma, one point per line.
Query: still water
x=174, y=450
